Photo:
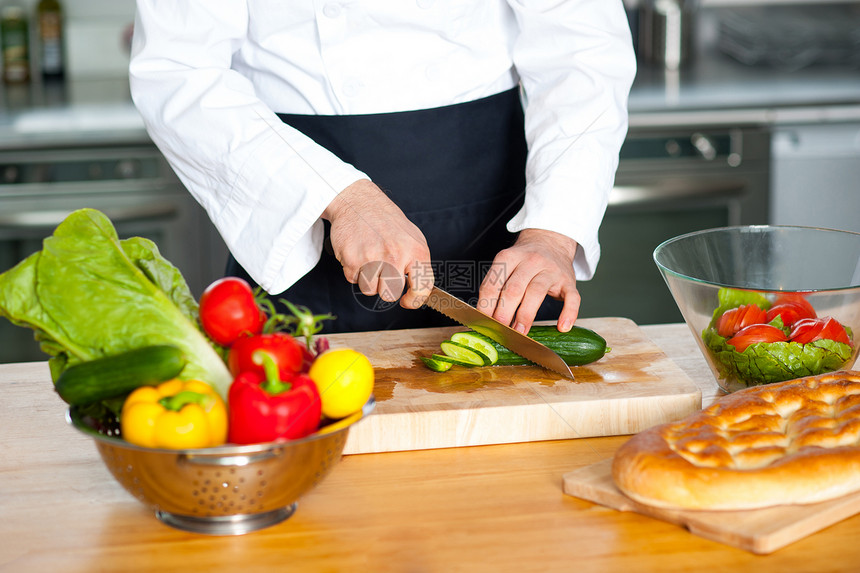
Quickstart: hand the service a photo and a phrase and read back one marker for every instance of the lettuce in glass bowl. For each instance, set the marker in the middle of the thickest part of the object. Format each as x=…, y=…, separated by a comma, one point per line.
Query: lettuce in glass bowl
x=767, y=303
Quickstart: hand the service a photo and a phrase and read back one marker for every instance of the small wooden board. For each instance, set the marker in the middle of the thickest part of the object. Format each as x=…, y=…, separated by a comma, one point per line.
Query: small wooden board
x=759, y=531
x=633, y=387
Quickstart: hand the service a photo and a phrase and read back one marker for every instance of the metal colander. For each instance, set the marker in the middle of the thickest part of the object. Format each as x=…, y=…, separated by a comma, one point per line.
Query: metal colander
x=228, y=490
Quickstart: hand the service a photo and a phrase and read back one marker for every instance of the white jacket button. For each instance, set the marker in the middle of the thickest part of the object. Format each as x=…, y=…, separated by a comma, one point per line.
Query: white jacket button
x=331, y=10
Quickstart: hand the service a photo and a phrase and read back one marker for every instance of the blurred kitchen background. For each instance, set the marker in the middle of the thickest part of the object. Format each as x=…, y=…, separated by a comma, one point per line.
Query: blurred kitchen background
x=742, y=112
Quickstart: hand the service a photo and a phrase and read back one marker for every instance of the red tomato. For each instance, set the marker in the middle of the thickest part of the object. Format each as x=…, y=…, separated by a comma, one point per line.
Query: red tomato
x=797, y=298
x=812, y=329
x=735, y=319
x=833, y=330
x=228, y=310
x=283, y=348
x=754, y=334
x=790, y=312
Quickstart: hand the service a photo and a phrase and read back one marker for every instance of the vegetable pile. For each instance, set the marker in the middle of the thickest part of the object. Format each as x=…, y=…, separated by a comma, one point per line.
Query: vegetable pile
x=758, y=341
x=135, y=353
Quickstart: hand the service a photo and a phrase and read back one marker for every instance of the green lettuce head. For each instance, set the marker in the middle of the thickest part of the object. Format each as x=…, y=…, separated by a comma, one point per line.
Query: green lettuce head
x=88, y=294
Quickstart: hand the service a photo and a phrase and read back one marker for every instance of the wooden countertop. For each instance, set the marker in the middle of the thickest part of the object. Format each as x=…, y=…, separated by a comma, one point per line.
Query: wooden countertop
x=477, y=508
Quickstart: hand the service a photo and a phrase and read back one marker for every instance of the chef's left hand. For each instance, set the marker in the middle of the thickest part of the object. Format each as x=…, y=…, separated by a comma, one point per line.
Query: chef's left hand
x=538, y=265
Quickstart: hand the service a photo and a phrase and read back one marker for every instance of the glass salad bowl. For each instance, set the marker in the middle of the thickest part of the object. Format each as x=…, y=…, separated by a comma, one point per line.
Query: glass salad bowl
x=226, y=490
x=767, y=303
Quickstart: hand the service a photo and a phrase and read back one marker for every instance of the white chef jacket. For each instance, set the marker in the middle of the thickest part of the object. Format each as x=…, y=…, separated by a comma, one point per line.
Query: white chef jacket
x=208, y=77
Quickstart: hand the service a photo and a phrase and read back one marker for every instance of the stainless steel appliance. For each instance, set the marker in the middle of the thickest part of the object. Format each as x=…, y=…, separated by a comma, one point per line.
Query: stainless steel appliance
x=132, y=184
x=666, y=31
x=815, y=169
x=791, y=37
x=671, y=182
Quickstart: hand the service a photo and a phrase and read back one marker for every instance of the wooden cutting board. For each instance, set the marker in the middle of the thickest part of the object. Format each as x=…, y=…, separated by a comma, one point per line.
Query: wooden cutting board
x=760, y=531
x=633, y=387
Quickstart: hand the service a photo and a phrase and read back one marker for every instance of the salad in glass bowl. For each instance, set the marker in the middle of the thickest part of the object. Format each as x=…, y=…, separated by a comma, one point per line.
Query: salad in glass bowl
x=767, y=303
x=760, y=339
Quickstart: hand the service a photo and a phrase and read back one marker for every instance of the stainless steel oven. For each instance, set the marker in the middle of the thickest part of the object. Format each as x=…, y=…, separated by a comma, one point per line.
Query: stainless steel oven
x=671, y=182
x=132, y=184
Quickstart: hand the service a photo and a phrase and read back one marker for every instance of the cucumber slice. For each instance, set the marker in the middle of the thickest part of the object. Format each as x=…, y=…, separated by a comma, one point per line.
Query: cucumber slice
x=463, y=353
x=452, y=360
x=437, y=365
x=479, y=344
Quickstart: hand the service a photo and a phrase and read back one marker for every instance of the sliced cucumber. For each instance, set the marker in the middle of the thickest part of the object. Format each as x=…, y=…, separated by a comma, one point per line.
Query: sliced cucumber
x=577, y=347
x=452, y=360
x=436, y=365
x=481, y=345
x=465, y=354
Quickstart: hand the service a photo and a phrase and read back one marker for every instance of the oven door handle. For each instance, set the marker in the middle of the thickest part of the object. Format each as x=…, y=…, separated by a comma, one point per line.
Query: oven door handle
x=675, y=190
x=51, y=218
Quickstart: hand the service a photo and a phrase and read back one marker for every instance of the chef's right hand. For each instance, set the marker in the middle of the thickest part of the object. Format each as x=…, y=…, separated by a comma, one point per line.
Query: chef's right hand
x=380, y=249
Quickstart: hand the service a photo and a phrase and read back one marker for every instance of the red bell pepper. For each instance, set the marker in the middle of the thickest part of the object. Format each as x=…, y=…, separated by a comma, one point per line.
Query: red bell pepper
x=246, y=354
x=270, y=407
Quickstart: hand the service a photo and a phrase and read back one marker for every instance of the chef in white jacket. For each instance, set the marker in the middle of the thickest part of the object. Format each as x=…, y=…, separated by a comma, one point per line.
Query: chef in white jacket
x=353, y=152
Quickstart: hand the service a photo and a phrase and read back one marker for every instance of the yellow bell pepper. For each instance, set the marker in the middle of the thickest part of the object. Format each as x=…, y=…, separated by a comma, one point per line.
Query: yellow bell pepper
x=177, y=414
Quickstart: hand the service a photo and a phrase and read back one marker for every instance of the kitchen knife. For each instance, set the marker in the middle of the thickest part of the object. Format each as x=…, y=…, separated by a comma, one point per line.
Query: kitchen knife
x=471, y=317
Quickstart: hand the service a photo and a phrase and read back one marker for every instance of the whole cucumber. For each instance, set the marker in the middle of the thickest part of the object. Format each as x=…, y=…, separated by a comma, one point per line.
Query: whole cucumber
x=117, y=375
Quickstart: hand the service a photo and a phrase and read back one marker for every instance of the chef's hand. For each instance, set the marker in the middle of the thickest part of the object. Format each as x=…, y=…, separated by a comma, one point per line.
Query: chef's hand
x=538, y=265
x=379, y=248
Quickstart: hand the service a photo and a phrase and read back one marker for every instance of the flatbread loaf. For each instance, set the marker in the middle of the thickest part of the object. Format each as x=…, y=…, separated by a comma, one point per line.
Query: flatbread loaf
x=794, y=442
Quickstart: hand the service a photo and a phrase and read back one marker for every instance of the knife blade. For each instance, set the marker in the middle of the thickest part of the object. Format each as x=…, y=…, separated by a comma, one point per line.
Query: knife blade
x=471, y=317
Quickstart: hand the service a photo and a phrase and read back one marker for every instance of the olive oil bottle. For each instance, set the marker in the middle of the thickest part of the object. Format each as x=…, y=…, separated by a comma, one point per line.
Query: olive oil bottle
x=15, y=43
x=49, y=14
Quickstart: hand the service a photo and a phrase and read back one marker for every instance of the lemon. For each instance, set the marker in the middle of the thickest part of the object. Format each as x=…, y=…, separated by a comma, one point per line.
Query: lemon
x=344, y=378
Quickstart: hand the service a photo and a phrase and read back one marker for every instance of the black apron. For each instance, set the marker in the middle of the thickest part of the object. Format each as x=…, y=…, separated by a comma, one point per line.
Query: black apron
x=457, y=172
